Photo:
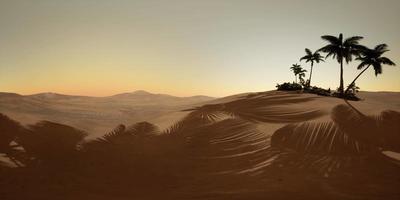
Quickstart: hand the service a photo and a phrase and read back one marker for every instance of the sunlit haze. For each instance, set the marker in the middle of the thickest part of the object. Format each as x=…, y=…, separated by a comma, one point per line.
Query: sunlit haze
x=184, y=48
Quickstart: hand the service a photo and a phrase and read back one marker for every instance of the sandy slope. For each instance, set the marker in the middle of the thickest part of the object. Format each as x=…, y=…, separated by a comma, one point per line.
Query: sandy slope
x=97, y=115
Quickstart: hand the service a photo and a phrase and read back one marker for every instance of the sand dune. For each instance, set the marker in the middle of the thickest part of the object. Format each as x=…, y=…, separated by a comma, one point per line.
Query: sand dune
x=97, y=115
x=278, y=145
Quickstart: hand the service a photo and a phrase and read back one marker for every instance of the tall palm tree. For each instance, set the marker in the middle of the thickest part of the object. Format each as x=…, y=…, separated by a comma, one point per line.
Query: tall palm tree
x=296, y=70
x=372, y=57
x=311, y=57
x=341, y=49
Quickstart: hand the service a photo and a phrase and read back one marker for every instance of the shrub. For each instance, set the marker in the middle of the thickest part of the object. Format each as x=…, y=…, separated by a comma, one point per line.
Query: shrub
x=289, y=86
x=318, y=91
x=350, y=95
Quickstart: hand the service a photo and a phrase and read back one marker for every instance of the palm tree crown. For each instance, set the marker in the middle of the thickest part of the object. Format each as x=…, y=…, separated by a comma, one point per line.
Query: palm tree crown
x=372, y=57
x=311, y=57
x=298, y=71
x=341, y=49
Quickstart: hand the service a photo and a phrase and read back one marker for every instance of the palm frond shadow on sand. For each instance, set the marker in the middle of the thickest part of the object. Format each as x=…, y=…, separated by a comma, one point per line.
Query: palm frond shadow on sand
x=262, y=108
x=234, y=149
x=227, y=132
x=238, y=136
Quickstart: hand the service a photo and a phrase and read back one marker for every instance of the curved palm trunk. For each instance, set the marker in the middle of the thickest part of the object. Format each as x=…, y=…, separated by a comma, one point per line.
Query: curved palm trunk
x=348, y=88
x=309, y=80
x=341, y=77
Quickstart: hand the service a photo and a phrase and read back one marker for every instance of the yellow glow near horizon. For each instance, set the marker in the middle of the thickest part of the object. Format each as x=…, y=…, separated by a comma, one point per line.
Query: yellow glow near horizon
x=183, y=48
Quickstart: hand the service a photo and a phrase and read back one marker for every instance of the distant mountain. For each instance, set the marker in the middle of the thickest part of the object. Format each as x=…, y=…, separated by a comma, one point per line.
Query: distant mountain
x=144, y=97
x=97, y=114
x=135, y=93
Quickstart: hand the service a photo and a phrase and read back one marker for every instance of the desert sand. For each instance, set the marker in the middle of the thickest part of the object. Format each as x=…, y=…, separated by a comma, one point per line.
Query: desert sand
x=275, y=145
x=97, y=115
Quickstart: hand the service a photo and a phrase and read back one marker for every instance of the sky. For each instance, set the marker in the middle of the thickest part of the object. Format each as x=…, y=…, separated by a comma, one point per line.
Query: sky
x=185, y=47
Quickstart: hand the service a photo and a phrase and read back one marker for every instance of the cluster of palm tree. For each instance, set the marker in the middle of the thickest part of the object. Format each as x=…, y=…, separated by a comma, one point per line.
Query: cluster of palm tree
x=344, y=50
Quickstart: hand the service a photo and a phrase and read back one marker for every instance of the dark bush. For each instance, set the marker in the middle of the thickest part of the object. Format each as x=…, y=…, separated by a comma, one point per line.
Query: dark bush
x=348, y=96
x=318, y=91
x=289, y=86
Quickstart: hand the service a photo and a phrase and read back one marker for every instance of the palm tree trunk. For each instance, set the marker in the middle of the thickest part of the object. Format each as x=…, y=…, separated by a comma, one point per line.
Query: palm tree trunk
x=341, y=77
x=295, y=78
x=348, y=88
x=309, y=80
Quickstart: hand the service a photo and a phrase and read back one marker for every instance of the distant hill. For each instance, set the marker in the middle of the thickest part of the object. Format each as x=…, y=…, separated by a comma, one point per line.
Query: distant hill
x=97, y=114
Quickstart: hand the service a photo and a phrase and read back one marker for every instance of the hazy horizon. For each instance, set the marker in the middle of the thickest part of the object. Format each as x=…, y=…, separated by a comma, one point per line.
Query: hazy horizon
x=118, y=93
x=156, y=93
x=184, y=48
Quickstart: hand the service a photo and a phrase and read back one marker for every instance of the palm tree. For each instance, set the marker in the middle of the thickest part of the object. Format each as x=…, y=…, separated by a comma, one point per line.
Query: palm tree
x=372, y=57
x=311, y=57
x=341, y=49
x=296, y=68
x=301, y=74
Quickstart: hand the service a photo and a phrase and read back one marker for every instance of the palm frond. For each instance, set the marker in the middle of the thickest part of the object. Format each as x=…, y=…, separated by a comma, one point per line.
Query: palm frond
x=352, y=40
x=386, y=61
x=333, y=51
x=362, y=65
x=377, y=68
x=331, y=39
x=308, y=52
x=317, y=57
x=348, y=56
x=295, y=66
x=328, y=48
x=358, y=49
x=306, y=57
x=381, y=48
x=330, y=54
